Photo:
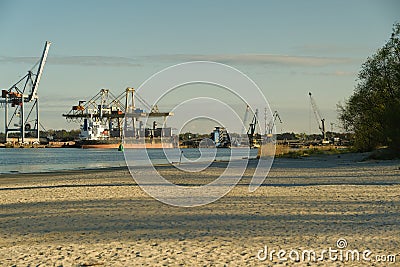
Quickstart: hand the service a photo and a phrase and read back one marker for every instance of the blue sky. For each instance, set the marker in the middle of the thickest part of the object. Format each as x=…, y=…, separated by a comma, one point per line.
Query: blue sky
x=287, y=47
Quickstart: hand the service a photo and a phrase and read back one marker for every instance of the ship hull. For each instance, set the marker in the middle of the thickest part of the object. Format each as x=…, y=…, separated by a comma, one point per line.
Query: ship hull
x=126, y=146
x=129, y=144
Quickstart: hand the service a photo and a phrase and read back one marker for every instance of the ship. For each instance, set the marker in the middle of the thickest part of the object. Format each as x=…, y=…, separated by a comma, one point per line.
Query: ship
x=95, y=134
x=112, y=122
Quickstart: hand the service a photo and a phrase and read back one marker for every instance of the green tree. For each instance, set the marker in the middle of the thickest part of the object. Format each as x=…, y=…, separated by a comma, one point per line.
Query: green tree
x=373, y=111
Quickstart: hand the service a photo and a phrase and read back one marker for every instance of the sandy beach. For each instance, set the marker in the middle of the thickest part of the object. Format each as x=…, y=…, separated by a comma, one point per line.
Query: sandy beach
x=102, y=218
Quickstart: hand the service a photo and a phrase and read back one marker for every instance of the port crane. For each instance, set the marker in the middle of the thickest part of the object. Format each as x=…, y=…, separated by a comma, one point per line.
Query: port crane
x=21, y=100
x=251, y=132
x=272, y=123
x=318, y=117
x=245, y=119
x=243, y=137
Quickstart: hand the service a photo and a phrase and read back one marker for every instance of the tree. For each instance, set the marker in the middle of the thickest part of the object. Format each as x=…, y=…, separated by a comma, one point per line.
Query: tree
x=373, y=111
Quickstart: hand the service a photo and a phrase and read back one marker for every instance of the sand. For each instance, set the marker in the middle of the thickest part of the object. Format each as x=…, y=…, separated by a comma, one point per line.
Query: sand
x=102, y=218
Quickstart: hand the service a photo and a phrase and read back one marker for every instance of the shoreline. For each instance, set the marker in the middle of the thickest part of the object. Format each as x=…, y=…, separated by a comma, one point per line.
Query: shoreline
x=62, y=171
x=323, y=163
x=350, y=158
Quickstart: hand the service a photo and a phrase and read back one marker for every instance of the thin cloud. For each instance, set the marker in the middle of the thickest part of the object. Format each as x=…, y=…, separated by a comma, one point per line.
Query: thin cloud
x=329, y=49
x=344, y=73
x=267, y=59
x=95, y=61
x=77, y=60
x=261, y=59
x=332, y=73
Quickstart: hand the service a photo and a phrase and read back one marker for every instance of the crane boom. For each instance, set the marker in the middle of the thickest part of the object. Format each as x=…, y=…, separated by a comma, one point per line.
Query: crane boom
x=276, y=115
x=40, y=71
x=318, y=116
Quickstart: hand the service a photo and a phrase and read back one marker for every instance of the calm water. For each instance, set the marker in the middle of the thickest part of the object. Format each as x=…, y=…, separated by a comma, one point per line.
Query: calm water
x=55, y=159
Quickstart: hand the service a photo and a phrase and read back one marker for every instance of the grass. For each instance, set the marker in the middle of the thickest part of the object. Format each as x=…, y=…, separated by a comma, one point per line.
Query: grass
x=384, y=153
x=378, y=154
x=313, y=151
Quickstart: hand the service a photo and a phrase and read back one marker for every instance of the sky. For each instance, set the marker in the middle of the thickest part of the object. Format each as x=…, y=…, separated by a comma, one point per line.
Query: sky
x=288, y=48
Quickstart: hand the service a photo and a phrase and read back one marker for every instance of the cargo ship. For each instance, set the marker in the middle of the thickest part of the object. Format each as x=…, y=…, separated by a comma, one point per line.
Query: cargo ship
x=94, y=134
x=108, y=121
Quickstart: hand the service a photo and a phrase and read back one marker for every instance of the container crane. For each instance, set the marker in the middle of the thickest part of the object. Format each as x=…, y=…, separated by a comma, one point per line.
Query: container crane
x=105, y=115
x=23, y=99
x=318, y=117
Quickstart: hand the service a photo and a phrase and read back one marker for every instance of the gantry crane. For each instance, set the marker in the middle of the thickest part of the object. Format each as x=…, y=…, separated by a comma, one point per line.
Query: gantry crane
x=22, y=97
x=111, y=112
x=318, y=117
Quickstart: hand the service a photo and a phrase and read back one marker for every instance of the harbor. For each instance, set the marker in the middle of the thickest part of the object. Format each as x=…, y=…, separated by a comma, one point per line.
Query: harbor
x=127, y=120
x=199, y=133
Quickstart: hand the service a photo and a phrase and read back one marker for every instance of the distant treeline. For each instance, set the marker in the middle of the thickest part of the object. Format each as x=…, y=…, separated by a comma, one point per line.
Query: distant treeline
x=71, y=135
x=282, y=136
x=51, y=135
x=60, y=135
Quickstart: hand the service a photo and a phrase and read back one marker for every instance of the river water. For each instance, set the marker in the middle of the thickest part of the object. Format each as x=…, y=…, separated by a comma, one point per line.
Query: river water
x=20, y=160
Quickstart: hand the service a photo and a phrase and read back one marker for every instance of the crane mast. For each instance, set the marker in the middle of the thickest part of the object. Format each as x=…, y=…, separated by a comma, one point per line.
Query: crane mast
x=318, y=116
